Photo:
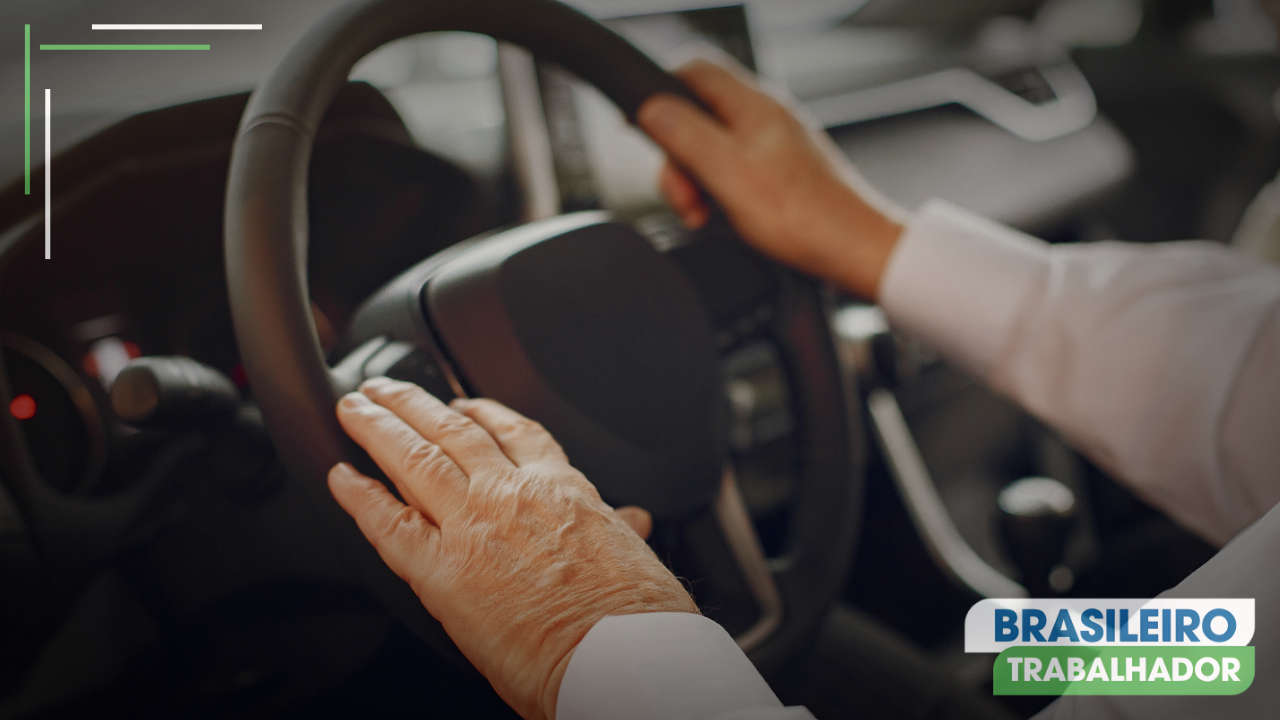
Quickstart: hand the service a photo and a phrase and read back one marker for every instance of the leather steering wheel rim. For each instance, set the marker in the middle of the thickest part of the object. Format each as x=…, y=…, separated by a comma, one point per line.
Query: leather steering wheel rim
x=266, y=238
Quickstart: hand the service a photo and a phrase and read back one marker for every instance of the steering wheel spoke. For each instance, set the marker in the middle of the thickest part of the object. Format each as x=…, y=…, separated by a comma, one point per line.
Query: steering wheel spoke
x=747, y=554
x=396, y=359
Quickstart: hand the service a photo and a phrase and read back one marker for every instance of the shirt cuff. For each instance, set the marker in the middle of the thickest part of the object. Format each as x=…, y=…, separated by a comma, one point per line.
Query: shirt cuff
x=673, y=666
x=957, y=281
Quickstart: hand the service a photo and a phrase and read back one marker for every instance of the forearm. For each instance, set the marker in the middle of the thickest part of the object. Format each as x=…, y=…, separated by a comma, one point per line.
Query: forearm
x=1154, y=360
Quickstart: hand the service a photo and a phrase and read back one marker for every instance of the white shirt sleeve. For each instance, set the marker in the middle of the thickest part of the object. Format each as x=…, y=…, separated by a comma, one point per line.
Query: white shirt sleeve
x=674, y=666
x=1158, y=361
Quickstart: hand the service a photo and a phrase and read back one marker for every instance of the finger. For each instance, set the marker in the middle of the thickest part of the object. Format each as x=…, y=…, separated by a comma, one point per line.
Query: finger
x=523, y=440
x=683, y=196
x=402, y=536
x=471, y=448
x=696, y=141
x=638, y=518
x=424, y=474
x=727, y=90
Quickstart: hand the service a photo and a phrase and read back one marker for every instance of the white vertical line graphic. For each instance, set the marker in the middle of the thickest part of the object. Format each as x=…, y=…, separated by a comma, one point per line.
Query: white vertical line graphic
x=48, y=176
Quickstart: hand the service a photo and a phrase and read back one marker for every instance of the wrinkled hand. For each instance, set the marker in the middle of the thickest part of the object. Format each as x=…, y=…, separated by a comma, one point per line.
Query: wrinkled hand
x=507, y=545
x=786, y=188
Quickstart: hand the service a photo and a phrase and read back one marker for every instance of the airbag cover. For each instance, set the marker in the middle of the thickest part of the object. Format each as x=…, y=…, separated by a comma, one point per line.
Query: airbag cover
x=581, y=324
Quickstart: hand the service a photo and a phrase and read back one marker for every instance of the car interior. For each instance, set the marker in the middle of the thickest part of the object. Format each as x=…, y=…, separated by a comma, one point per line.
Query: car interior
x=459, y=198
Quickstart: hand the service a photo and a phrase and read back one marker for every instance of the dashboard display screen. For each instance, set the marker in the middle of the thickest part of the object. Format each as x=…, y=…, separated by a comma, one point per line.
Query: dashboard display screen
x=600, y=160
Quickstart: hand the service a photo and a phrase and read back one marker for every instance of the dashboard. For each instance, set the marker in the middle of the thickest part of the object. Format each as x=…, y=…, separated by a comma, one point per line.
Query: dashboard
x=138, y=264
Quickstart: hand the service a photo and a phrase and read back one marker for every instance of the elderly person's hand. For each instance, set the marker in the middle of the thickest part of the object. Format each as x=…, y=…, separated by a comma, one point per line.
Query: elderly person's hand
x=785, y=186
x=507, y=545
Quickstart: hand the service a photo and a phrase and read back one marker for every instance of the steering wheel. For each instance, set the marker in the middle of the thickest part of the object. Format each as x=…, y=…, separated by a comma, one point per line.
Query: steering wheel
x=614, y=341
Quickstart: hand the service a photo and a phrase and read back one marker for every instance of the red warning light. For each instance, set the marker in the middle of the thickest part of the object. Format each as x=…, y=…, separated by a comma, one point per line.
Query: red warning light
x=240, y=377
x=23, y=407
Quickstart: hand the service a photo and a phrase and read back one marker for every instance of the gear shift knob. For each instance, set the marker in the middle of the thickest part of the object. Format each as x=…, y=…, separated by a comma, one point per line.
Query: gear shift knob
x=1037, y=515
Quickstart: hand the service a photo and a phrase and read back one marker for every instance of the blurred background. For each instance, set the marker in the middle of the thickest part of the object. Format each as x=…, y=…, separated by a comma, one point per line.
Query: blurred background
x=1075, y=120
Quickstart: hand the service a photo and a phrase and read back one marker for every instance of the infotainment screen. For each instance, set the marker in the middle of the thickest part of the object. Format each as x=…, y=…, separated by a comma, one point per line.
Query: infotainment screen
x=600, y=160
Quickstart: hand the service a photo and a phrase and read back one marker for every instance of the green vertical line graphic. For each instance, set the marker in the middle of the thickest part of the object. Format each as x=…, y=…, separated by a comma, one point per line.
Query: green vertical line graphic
x=26, y=109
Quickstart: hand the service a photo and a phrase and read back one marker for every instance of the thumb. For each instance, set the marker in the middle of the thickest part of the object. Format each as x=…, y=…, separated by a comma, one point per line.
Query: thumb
x=683, y=196
x=638, y=518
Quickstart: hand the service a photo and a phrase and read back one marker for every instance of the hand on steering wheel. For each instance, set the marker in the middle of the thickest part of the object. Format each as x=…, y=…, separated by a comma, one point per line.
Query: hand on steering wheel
x=786, y=188
x=505, y=543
